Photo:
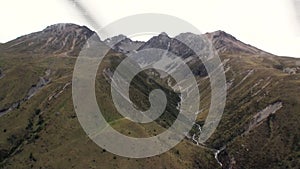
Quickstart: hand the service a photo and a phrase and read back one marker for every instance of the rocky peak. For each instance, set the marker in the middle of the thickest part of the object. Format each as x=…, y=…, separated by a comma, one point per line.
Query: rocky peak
x=220, y=35
x=63, y=27
x=163, y=34
x=223, y=42
x=226, y=43
x=163, y=41
x=122, y=43
x=115, y=39
x=63, y=38
x=68, y=39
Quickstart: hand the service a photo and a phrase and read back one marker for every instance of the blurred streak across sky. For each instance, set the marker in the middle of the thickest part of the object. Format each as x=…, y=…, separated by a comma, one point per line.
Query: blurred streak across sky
x=297, y=11
x=272, y=25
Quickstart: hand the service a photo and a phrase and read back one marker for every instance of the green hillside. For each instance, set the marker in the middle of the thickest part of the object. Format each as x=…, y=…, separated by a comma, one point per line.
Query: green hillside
x=39, y=128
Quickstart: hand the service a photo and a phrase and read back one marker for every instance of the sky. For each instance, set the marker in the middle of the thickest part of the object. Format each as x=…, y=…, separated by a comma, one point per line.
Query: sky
x=270, y=25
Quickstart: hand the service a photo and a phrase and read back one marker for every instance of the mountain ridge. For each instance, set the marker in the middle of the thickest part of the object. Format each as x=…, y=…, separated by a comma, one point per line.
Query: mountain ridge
x=72, y=36
x=259, y=127
x=62, y=38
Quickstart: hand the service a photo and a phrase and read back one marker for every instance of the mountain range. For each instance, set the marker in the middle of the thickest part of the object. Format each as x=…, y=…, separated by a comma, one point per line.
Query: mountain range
x=39, y=129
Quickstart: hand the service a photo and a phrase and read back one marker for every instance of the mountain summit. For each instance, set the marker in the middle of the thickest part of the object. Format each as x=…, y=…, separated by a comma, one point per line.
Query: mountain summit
x=163, y=41
x=226, y=43
x=62, y=38
x=68, y=39
x=223, y=42
x=123, y=44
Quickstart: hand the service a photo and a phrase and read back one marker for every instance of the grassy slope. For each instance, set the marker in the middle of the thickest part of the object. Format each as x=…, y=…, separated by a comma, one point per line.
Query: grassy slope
x=275, y=143
x=53, y=138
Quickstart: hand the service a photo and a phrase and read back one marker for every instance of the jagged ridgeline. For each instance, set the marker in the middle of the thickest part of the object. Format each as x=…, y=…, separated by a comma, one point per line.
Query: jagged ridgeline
x=39, y=128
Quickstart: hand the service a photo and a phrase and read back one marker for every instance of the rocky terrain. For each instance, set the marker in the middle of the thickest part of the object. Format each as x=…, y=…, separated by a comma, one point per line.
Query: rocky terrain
x=65, y=39
x=39, y=129
x=123, y=44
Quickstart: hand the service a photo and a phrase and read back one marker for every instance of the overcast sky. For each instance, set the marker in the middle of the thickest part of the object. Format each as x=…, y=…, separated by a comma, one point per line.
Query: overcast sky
x=267, y=24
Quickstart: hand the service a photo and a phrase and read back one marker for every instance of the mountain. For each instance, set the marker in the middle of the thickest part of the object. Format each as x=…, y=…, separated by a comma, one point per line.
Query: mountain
x=222, y=42
x=55, y=39
x=163, y=41
x=39, y=127
x=226, y=43
x=123, y=44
